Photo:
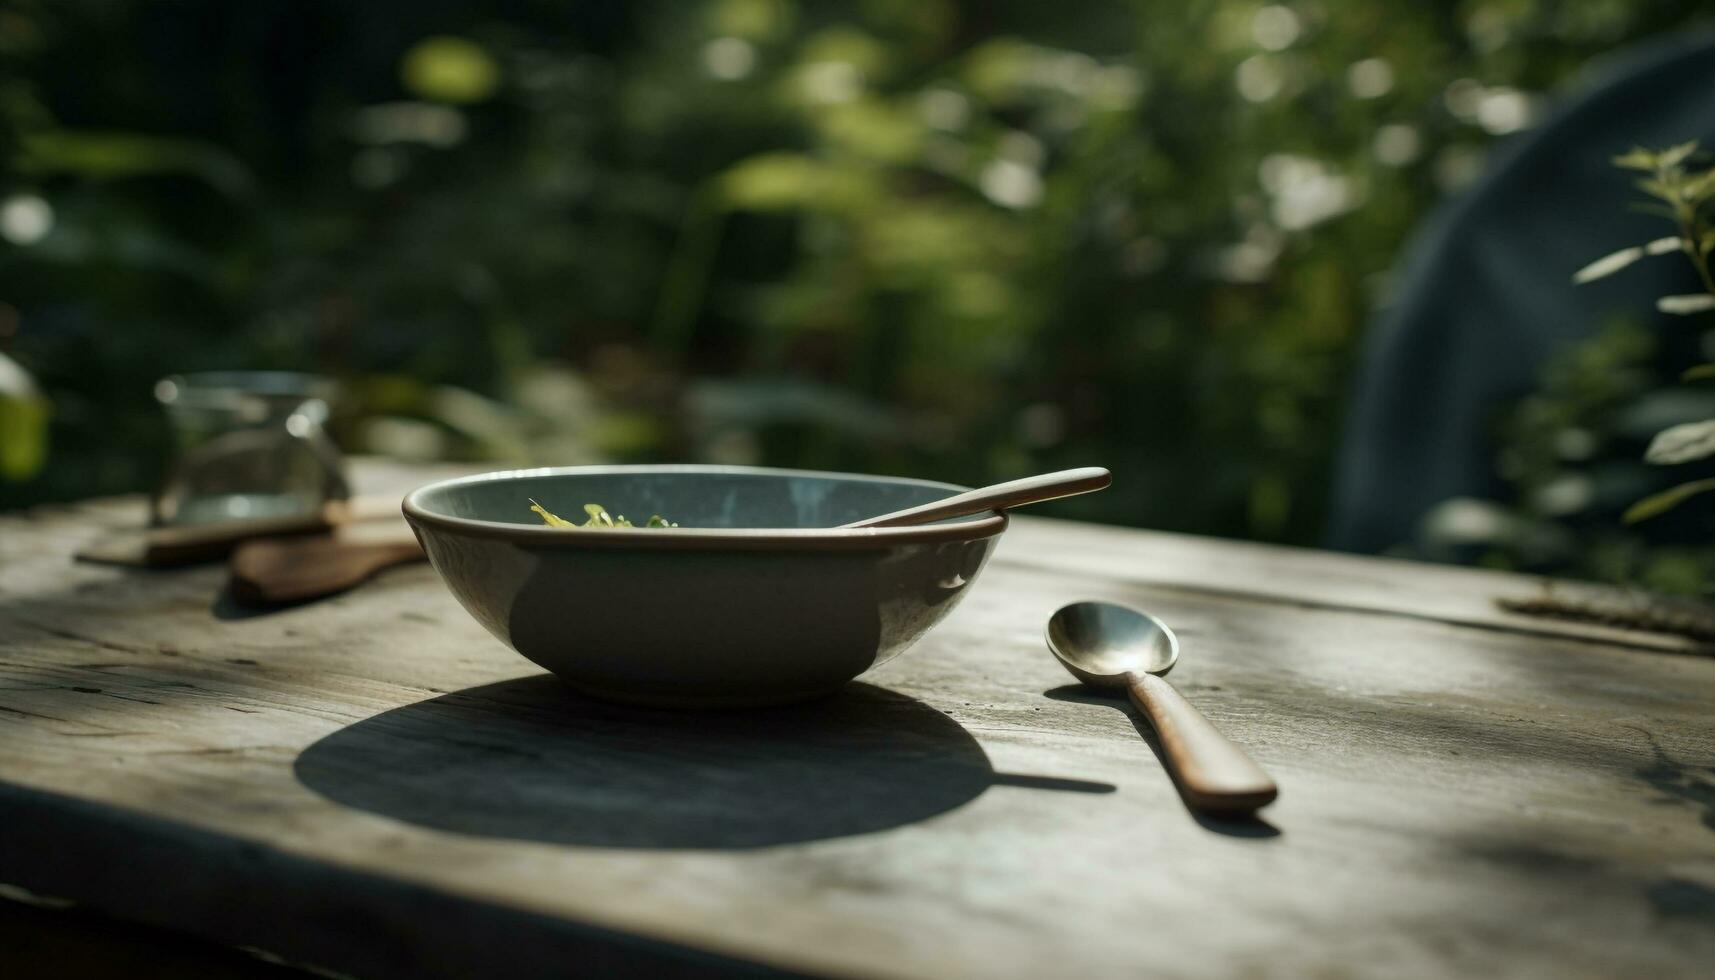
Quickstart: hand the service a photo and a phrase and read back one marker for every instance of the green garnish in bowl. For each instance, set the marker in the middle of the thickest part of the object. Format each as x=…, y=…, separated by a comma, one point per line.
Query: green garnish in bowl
x=599, y=517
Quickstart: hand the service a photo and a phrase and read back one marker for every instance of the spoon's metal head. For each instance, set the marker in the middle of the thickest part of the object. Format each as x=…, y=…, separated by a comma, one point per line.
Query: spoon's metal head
x=1102, y=642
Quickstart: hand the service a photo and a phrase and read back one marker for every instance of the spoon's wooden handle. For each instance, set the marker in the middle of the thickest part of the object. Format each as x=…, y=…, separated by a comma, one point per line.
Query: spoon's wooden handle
x=278, y=570
x=1214, y=773
x=1030, y=490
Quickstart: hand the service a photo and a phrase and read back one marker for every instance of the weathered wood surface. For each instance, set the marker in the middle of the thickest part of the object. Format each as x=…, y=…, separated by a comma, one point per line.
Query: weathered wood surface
x=372, y=785
x=1441, y=593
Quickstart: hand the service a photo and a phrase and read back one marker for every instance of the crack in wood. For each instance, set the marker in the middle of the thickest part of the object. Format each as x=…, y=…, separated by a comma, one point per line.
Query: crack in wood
x=34, y=714
x=65, y=634
x=1613, y=639
x=101, y=734
x=1640, y=614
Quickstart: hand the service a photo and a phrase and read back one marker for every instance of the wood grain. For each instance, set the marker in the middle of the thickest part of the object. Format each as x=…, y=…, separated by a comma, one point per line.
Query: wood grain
x=1250, y=572
x=372, y=785
x=1214, y=774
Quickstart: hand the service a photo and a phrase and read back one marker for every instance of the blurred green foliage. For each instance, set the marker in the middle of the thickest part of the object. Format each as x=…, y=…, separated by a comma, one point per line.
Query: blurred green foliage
x=956, y=240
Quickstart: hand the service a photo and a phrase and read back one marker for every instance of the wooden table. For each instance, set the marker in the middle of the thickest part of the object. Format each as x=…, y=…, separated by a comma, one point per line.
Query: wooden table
x=372, y=785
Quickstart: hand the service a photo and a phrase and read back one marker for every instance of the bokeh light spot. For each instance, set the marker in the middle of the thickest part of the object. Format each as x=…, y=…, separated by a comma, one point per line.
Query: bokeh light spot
x=729, y=58
x=1370, y=78
x=25, y=219
x=1011, y=184
x=449, y=69
x=1259, y=78
x=1275, y=28
x=1397, y=144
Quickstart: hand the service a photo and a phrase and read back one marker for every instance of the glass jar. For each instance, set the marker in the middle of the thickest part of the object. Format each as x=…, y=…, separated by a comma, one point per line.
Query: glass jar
x=247, y=444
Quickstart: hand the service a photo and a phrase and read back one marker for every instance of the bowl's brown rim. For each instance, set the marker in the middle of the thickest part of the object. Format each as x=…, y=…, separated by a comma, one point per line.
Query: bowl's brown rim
x=697, y=538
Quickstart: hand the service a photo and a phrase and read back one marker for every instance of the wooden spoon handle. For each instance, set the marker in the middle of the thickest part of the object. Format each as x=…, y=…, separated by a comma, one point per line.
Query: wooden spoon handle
x=1030, y=490
x=1214, y=773
x=276, y=570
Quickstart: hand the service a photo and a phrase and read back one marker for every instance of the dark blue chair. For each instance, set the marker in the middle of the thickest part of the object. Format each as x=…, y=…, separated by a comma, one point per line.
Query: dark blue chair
x=1486, y=296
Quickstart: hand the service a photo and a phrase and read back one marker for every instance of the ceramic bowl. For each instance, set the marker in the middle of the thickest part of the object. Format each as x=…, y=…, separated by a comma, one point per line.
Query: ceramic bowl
x=758, y=597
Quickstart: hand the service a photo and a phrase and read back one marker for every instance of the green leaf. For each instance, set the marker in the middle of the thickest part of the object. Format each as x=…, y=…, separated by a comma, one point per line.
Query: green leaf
x=101, y=155
x=23, y=437
x=450, y=69
x=1613, y=262
x=753, y=20
x=549, y=517
x=873, y=129
x=1673, y=156
x=1697, y=188
x=1682, y=443
x=1608, y=264
x=1660, y=503
x=598, y=517
x=1660, y=189
x=1638, y=159
x=1698, y=373
x=790, y=181
x=1662, y=246
x=23, y=423
x=1686, y=304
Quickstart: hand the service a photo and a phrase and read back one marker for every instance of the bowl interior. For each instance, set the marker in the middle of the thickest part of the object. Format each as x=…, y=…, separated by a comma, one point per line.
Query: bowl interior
x=707, y=497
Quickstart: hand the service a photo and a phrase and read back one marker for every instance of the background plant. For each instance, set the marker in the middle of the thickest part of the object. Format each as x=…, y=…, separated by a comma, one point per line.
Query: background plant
x=957, y=240
x=1682, y=194
x=1587, y=452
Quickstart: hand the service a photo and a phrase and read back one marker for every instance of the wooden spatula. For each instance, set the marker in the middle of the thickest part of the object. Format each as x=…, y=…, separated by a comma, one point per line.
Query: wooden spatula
x=189, y=544
x=169, y=547
x=271, y=571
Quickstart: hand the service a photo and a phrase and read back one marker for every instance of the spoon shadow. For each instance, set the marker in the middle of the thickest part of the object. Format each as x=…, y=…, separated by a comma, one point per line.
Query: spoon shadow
x=1248, y=825
x=228, y=607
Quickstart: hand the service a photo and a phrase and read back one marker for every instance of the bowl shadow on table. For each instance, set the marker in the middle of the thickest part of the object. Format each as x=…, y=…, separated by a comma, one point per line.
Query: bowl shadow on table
x=527, y=759
x=1251, y=826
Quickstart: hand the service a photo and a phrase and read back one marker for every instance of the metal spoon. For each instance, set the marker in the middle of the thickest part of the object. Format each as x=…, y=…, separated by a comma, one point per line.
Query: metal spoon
x=1109, y=645
x=1014, y=493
